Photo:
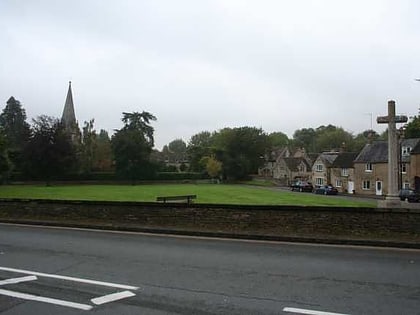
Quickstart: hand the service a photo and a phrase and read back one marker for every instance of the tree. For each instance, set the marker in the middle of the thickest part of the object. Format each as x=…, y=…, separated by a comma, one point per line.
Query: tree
x=333, y=138
x=88, y=146
x=4, y=158
x=178, y=149
x=412, y=129
x=278, y=139
x=49, y=153
x=103, y=157
x=132, y=146
x=213, y=167
x=16, y=130
x=363, y=138
x=305, y=138
x=199, y=146
x=240, y=150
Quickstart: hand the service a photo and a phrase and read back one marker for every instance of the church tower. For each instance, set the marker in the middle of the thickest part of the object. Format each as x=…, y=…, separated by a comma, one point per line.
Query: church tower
x=69, y=118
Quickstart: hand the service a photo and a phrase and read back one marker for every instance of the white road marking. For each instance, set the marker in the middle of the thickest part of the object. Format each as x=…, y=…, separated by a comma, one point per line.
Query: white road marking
x=31, y=297
x=308, y=312
x=47, y=275
x=18, y=280
x=112, y=297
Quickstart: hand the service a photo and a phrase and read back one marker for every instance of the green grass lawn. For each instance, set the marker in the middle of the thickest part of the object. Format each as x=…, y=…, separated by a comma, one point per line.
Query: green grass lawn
x=206, y=193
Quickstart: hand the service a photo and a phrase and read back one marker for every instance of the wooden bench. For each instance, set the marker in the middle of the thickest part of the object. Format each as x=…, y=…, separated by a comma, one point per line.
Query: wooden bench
x=187, y=198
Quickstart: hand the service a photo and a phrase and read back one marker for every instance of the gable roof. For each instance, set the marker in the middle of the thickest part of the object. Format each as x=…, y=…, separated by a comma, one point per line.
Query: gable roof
x=328, y=157
x=377, y=151
x=293, y=163
x=416, y=149
x=345, y=160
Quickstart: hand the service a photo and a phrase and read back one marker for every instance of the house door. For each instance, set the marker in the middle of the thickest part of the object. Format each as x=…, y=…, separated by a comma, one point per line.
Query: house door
x=350, y=187
x=379, y=188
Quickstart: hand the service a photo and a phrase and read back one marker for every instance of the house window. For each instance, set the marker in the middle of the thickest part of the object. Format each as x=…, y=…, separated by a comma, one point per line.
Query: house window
x=406, y=185
x=319, y=167
x=366, y=185
x=344, y=172
x=403, y=168
x=406, y=150
x=338, y=183
x=368, y=167
x=319, y=181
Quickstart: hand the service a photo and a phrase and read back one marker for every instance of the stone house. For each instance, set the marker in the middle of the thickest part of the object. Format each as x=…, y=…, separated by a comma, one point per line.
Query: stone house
x=342, y=172
x=321, y=168
x=290, y=169
x=415, y=166
x=371, y=167
x=267, y=170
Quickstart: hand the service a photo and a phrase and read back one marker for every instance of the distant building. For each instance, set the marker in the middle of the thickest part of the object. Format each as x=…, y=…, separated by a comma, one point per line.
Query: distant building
x=371, y=167
x=69, y=118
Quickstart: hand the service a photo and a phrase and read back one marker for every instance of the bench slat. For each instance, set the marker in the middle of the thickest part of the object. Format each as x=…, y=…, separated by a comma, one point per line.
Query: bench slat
x=188, y=198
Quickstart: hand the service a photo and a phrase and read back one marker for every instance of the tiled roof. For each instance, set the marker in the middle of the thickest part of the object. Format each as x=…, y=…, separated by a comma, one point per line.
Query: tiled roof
x=292, y=163
x=377, y=151
x=345, y=160
x=328, y=158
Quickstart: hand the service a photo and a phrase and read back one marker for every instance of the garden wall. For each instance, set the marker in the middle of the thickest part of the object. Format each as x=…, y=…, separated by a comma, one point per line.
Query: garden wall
x=258, y=221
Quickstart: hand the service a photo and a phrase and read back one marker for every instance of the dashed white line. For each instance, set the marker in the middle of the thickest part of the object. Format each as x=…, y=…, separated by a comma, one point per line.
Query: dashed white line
x=308, y=312
x=47, y=275
x=112, y=297
x=18, y=280
x=31, y=297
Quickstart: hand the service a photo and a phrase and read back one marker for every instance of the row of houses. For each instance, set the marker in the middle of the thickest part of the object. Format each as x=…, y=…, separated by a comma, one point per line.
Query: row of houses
x=364, y=172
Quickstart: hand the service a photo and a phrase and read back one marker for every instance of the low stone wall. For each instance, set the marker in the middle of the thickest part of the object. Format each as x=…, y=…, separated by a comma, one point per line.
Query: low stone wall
x=285, y=221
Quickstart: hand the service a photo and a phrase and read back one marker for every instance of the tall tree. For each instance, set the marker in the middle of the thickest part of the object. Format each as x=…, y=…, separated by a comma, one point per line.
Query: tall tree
x=199, y=146
x=103, y=157
x=88, y=146
x=132, y=146
x=278, y=139
x=49, y=154
x=4, y=158
x=178, y=149
x=240, y=150
x=305, y=138
x=412, y=129
x=16, y=130
x=333, y=138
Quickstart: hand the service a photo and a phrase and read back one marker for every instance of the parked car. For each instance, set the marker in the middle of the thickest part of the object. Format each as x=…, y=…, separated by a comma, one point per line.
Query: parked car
x=326, y=190
x=410, y=195
x=302, y=186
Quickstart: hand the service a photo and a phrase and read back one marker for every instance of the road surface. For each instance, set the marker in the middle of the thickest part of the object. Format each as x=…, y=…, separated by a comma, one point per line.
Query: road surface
x=65, y=271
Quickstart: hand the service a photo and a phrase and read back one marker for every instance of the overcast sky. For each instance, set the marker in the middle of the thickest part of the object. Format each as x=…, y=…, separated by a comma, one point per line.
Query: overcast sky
x=205, y=65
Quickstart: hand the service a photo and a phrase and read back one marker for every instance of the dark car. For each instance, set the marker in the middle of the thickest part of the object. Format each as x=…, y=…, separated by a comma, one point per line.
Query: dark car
x=410, y=195
x=302, y=186
x=326, y=190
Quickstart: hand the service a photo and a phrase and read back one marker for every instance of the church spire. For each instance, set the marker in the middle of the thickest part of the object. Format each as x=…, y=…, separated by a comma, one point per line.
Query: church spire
x=69, y=117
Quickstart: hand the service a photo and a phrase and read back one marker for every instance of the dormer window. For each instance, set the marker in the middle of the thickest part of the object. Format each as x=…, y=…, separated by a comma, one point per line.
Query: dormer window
x=406, y=150
x=344, y=171
x=319, y=167
x=368, y=167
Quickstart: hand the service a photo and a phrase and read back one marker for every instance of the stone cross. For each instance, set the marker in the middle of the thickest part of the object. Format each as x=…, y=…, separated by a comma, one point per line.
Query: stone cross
x=393, y=147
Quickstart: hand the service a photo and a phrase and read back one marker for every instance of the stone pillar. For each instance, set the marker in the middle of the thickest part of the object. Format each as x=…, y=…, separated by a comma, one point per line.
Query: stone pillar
x=393, y=148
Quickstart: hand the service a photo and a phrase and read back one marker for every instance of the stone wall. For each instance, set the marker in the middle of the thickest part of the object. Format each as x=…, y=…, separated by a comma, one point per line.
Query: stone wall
x=291, y=221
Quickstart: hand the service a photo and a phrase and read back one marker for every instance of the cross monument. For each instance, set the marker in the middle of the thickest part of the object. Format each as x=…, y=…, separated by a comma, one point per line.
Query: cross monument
x=392, y=198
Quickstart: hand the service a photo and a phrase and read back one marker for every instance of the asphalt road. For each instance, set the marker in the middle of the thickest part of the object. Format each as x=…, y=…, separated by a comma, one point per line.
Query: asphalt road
x=63, y=271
